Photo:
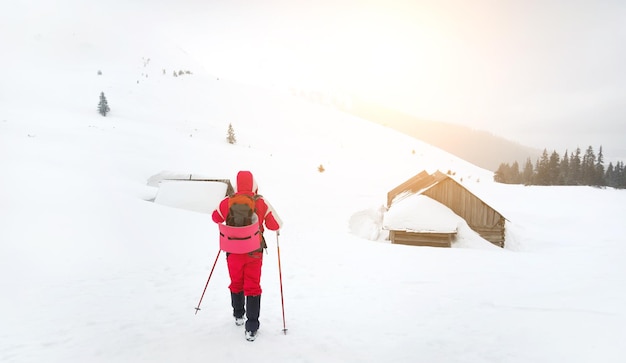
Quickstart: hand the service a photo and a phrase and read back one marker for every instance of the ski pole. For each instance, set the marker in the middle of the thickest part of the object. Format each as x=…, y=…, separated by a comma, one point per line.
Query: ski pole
x=207, y=281
x=280, y=277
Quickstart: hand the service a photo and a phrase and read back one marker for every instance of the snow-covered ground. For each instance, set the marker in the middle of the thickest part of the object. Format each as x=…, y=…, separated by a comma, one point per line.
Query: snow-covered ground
x=92, y=271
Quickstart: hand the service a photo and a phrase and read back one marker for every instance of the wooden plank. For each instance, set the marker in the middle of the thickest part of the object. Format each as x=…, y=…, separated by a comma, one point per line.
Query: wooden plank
x=421, y=239
x=425, y=244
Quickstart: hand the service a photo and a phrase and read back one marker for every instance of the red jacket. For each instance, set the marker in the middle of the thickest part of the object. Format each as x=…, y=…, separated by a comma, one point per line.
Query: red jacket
x=247, y=185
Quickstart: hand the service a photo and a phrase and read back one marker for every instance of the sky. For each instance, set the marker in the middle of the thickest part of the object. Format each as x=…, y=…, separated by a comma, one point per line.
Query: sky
x=546, y=74
x=542, y=73
x=91, y=270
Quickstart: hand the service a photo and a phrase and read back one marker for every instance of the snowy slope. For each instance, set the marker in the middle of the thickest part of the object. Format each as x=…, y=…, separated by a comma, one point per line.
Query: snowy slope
x=91, y=270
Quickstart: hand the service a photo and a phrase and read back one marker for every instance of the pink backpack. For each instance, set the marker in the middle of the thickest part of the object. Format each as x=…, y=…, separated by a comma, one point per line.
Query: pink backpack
x=240, y=239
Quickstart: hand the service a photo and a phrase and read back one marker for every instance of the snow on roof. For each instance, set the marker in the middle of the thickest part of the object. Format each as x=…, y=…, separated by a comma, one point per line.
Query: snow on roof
x=197, y=196
x=420, y=213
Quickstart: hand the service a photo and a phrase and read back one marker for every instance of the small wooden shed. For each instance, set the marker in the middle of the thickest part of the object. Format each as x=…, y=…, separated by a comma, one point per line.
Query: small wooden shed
x=480, y=217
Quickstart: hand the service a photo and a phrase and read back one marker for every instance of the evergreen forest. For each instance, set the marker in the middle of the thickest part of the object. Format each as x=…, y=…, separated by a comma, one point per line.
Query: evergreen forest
x=571, y=169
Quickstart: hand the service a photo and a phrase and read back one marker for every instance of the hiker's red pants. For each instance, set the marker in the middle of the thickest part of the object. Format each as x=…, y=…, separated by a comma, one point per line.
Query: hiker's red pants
x=245, y=272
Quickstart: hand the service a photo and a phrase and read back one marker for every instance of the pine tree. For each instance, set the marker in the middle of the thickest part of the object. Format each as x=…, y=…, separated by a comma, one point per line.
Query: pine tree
x=575, y=168
x=515, y=174
x=564, y=169
x=554, y=169
x=500, y=176
x=103, y=105
x=609, y=176
x=507, y=174
x=620, y=175
x=528, y=173
x=543, y=169
x=599, y=179
x=231, y=135
x=588, y=167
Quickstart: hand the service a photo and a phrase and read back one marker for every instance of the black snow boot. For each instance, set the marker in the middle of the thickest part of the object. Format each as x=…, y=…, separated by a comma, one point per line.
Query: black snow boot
x=238, y=300
x=253, y=307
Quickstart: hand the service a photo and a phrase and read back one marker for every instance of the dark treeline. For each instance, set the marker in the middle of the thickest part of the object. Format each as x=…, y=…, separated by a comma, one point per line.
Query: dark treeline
x=573, y=169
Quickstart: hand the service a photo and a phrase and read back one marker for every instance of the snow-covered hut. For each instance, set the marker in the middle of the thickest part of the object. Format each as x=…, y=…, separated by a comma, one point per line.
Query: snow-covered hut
x=191, y=192
x=480, y=217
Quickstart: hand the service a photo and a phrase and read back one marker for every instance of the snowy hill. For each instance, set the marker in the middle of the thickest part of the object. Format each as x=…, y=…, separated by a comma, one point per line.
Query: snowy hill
x=91, y=270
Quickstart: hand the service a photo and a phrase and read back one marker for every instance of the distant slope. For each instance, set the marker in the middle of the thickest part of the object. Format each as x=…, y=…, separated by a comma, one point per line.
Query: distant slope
x=480, y=148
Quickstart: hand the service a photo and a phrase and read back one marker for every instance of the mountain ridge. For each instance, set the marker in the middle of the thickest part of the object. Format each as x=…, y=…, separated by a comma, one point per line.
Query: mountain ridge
x=478, y=147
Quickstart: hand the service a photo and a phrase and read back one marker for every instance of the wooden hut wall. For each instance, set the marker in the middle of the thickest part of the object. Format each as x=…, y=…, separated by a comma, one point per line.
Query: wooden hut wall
x=422, y=239
x=479, y=216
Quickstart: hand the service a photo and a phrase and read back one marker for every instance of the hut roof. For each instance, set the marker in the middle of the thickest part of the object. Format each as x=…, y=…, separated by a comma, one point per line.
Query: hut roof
x=421, y=183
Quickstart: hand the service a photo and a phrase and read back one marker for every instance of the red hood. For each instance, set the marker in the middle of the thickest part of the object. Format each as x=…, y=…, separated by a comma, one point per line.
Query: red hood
x=246, y=183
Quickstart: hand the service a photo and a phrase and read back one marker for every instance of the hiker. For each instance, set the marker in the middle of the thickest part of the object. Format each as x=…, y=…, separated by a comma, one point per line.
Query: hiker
x=245, y=269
